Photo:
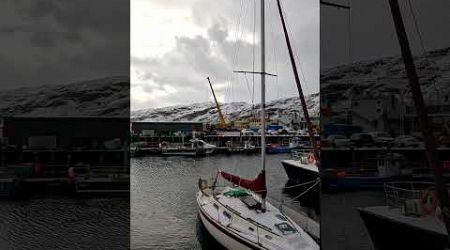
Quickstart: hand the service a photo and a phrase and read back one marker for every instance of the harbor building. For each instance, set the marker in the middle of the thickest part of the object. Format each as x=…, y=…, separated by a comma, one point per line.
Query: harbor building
x=93, y=140
x=156, y=129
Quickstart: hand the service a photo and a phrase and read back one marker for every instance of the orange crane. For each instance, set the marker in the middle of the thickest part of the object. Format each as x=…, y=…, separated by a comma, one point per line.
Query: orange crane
x=222, y=123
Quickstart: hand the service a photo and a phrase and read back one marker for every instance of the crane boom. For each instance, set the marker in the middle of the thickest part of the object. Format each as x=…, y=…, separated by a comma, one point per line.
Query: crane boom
x=222, y=122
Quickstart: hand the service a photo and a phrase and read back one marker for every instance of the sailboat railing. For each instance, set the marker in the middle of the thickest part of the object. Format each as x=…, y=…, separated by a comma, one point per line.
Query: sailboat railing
x=397, y=193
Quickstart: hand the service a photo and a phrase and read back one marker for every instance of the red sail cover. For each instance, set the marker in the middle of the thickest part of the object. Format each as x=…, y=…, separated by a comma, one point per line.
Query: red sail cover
x=257, y=185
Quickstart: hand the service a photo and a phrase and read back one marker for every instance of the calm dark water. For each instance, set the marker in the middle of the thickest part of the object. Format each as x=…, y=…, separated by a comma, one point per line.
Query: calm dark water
x=341, y=226
x=65, y=223
x=163, y=197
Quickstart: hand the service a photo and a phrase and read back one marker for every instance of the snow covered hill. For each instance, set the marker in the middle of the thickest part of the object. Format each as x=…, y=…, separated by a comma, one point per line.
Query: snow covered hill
x=110, y=96
x=100, y=97
x=207, y=112
x=387, y=76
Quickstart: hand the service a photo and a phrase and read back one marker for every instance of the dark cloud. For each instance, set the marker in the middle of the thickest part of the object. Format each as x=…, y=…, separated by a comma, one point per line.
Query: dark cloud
x=372, y=32
x=59, y=41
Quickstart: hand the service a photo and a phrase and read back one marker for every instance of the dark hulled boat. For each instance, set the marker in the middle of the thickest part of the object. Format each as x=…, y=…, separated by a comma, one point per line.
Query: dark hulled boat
x=410, y=220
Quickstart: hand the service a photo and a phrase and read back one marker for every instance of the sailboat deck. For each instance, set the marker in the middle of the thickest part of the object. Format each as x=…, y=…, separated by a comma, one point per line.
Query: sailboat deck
x=267, y=219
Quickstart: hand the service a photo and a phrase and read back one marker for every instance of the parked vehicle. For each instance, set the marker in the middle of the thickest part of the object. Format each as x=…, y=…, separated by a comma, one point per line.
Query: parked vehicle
x=407, y=141
x=381, y=138
x=361, y=139
x=340, y=129
x=338, y=141
x=302, y=133
x=248, y=132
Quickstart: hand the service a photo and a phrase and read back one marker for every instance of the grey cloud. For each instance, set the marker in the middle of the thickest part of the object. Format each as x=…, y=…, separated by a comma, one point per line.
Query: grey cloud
x=59, y=41
x=192, y=60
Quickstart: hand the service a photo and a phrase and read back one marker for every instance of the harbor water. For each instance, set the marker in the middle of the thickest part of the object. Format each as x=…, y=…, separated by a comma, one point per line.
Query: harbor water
x=163, y=196
x=65, y=223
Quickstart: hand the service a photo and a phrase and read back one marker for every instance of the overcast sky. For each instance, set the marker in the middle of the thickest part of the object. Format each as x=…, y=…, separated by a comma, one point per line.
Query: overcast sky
x=62, y=41
x=372, y=31
x=176, y=44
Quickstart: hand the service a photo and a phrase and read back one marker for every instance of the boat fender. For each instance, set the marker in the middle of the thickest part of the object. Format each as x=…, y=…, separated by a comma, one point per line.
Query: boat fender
x=341, y=174
x=428, y=202
x=311, y=159
x=438, y=214
x=71, y=174
x=36, y=168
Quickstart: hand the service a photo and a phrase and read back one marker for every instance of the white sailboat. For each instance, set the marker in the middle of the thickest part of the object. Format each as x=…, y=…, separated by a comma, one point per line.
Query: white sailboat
x=240, y=217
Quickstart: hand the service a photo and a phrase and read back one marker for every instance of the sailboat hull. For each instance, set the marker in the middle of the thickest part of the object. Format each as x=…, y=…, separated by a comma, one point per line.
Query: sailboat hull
x=223, y=236
x=234, y=225
x=388, y=233
x=298, y=173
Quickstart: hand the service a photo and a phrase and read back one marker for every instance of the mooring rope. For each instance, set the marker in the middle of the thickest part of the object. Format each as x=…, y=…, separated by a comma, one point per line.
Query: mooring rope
x=307, y=190
x=302, y=184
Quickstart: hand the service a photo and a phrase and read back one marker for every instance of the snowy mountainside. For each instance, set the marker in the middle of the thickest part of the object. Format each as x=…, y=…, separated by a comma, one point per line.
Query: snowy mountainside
x=99, y=97
x=207, y=112
x=387, y=76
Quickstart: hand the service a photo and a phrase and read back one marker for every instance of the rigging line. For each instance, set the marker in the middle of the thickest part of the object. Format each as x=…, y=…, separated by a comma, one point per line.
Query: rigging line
x=416, y=25
x=334, y=5
x=302, y=184
x=292, y=44
x=241, y=32
x=236, y=34
x=237, y=45
x=349, y=55
x=349, y=30
x=307, y=190
x=236, y=30
x=239, y=39
x=274, y=51
x=231, y=77
x=294, y=50
x=254, y=47
x=247, y=83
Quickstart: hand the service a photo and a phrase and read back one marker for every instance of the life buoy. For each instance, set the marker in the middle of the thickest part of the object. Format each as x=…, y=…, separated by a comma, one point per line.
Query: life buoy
x=311, y=159
x=428, y=202
x=341, y=174
x=71, y=174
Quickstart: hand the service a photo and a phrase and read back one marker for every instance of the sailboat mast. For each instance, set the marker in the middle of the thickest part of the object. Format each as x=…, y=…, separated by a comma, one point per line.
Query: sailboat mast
x=263, y=99
x=422, y=114
x=299, y=87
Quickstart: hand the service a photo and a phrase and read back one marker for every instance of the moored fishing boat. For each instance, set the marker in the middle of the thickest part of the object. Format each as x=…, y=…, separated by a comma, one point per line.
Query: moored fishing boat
x=387, y=168
x=301, y=168
x=411, y=218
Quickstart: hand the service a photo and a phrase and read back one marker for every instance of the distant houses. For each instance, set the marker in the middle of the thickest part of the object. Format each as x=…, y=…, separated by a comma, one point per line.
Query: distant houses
x=389, y=112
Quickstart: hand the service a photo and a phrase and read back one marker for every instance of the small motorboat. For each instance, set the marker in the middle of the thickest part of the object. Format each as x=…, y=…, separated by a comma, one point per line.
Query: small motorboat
x=195, y=147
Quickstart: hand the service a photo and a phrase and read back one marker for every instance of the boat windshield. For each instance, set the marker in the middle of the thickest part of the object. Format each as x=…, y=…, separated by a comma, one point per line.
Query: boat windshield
x=285, y=228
